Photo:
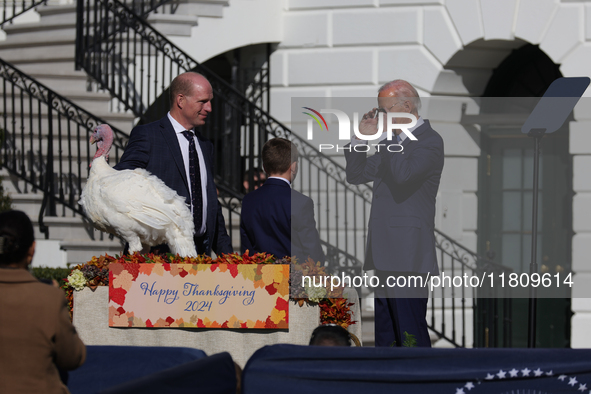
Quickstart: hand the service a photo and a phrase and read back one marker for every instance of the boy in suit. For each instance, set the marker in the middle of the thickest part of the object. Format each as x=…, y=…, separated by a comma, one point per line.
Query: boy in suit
x=276, y=219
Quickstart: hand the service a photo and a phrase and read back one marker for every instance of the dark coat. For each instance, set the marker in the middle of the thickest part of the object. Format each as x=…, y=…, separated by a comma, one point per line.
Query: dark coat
x=36, y=335
x=402, y=220
x=280, y=221
x=155, y=147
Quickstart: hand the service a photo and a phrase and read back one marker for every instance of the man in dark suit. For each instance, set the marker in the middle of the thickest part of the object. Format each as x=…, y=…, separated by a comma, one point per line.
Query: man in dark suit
x=400, y=240
x=171, y=149
x=276, y=219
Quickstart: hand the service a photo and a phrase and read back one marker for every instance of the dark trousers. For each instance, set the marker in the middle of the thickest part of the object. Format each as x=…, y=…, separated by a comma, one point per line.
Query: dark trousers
x=399, y=310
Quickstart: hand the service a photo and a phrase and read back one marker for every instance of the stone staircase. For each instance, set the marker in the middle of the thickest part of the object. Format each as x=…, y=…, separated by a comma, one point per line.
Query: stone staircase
x=45, y=50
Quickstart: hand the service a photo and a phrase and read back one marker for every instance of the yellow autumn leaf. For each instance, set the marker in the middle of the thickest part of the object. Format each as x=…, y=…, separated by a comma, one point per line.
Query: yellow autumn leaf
x=248, y=271
x=203, y=267
x=250, y=324
x=283, y=287
x=194, y=269
x=186, y=267
x=277, y=316
x=268, y=274
x=137, y=322
x=234, y=322
x=280, y=273
x=158, y=270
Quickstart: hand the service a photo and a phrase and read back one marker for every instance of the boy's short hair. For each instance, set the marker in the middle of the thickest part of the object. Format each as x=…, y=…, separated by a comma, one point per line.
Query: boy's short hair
x=278, y=154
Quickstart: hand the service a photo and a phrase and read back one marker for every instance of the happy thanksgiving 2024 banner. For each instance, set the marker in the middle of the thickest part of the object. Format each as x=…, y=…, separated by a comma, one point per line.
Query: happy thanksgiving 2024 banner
x=199, y=295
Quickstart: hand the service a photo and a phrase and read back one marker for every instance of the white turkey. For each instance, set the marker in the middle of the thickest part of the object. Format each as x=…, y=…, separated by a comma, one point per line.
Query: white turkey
x=134, y=204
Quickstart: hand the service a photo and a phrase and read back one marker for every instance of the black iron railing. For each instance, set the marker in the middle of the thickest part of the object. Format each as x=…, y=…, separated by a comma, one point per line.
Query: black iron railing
x=489, y=307
x=46, y=141
x=136, y=64
x=15, y=8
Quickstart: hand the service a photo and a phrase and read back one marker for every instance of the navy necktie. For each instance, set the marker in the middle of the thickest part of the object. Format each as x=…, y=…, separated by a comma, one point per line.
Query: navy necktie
x=195, y=181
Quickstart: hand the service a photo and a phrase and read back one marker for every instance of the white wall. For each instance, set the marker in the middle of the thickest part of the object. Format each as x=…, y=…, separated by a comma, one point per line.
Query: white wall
x=349, y=48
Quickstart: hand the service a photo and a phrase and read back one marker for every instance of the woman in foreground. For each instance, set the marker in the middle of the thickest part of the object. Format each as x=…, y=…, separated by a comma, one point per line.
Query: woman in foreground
x=36, y=335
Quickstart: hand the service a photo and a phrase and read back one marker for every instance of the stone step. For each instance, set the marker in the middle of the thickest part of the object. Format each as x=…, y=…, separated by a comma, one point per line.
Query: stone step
x=64, y=228
x=173, y=24
x=54, y=68
x=200, y=8
x=73, y=80
x=81, y=251
x=123, y=121
x=36, y=34
x=29, y=203
x=49, y=53
x=90, y=101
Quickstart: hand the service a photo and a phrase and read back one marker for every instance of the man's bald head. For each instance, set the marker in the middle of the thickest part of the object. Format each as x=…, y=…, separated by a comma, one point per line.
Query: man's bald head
x=184, y=84
x=190, y=99
x=399, y=88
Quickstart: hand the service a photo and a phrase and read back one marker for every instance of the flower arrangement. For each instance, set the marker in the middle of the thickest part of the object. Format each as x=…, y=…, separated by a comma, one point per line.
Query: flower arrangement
x=333, y=308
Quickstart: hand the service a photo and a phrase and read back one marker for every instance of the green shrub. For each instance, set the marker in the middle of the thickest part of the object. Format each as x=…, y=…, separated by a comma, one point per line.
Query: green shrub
x=58, y=274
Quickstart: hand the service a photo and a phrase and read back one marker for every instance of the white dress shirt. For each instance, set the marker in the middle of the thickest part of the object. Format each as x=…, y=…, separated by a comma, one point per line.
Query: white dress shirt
x=184, y=144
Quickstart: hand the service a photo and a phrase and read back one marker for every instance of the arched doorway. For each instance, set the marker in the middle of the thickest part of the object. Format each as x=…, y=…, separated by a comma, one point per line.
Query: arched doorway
x=505, y=190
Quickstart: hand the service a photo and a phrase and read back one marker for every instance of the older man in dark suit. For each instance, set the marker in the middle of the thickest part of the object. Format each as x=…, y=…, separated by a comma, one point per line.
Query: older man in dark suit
x=276, y=219
x=175, y=152
x=401, y=240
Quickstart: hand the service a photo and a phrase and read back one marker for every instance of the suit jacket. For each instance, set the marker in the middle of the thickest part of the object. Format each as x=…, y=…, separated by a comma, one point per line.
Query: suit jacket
x=36, y=335
x=155, y=147
x=402, y=220
x=280, y=221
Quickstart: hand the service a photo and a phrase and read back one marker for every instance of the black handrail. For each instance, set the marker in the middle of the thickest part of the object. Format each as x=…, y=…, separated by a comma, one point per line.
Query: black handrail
x=456, y=260
x=46, y=141
x=15, y=8
x=136, y=64
x=120, y=40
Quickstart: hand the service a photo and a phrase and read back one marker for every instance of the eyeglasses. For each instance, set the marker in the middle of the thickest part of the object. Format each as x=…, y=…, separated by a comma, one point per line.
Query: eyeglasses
x=385, y=110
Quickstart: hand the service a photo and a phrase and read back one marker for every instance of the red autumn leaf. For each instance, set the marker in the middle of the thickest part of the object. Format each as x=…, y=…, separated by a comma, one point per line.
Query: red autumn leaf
x=281, y=305
x=166, y=266
x=117, y=295
x=233, y=270
x=133, y=269
x=271, y=288
x=200, y=323
x=183, y=273
x=169, y=320
x=149, y=323
x=121, y=310
x=269, y=323
x=213, y=267
x=243, y=325
x=225, y=324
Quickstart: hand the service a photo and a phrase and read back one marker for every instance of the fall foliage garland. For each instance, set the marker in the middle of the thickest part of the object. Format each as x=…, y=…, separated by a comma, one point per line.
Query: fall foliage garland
x=334, y=309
